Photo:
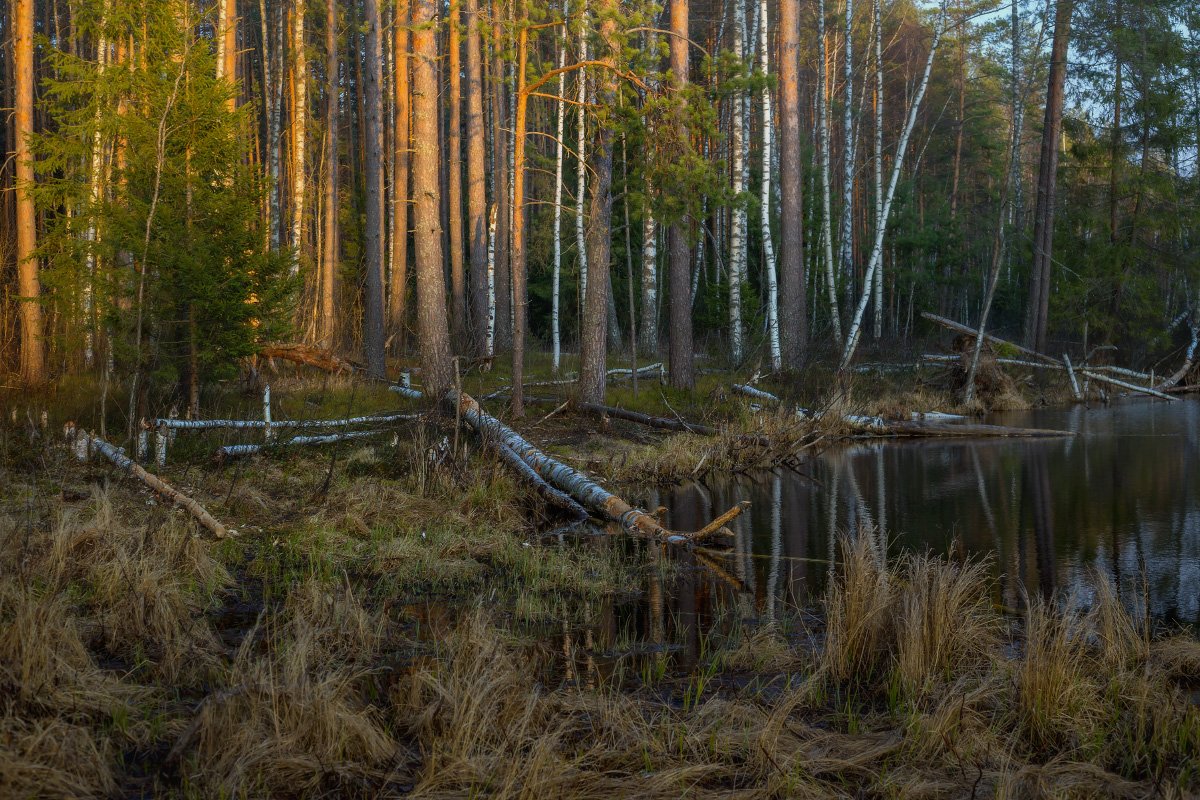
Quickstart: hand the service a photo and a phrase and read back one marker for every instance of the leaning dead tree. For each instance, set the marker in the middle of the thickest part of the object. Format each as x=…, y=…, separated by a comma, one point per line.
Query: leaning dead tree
x=85, y=443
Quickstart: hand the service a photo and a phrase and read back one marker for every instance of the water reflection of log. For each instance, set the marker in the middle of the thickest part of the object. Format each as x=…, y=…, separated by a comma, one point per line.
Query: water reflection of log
x=776, y=543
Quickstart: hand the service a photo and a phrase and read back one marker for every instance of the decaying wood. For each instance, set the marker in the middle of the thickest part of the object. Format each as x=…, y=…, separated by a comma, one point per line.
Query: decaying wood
x=123, y=462
x=579, y=487
x=664, y=423
x=309, y=356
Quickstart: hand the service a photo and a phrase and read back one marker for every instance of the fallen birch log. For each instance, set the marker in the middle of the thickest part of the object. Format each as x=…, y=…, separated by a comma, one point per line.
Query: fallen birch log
x=253, y=424
x=545, y=490
x=1133, y=387
x=578, y=486
x=123, y=462
x=958, y=327
x=934, y=424
x=1188, y=361
x=234, y=450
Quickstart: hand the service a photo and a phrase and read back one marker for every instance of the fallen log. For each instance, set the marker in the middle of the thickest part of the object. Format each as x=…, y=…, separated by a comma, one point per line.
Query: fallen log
x=249, y=424
x=578, y=486
x=234, y=450
x=1133, y=387
x=664, y=423
x=933, y=423
x=545, y=490
x=123, y=462
x=309, y=356
x=958, y=327
x=1188, y=361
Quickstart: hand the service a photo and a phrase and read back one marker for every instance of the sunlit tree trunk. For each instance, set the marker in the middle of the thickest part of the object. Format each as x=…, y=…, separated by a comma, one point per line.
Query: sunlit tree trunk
x=764, y=65
x=458, y=278
x=299, y=132
x=477, y=227
x=648, y=337
x=520, y=293
x=329, y=236
x=227, y=52
x=95, y=189
x=29, y=288
x=793, y=317
x=373, y=235
x=402, y=136
x=432, y=329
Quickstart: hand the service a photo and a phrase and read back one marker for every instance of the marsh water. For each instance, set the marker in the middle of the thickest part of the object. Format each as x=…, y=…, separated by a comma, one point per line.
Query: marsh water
x=1120, y=497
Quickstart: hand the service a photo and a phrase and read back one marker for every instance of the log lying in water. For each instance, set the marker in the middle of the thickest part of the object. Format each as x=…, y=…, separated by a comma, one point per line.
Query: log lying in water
x=932, y=423
x=124, y=462
x=233, y=450
x=1087, y=373
x=578, y=486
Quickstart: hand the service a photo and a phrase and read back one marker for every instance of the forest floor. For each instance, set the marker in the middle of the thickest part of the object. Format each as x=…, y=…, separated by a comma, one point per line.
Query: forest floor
x=392, y=618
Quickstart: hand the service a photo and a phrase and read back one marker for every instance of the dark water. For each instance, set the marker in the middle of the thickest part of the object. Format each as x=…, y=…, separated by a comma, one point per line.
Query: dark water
x=1122, y=497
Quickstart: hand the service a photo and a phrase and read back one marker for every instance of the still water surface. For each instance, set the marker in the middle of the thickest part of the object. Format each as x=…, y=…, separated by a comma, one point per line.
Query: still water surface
x=1122, y=496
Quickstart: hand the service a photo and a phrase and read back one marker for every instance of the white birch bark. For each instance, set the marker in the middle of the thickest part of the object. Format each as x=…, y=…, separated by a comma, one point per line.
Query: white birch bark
x=94, y=176
x=649, y=333
x=878, y=282
x=555, y=330
x=897, y=163
x=737, y=233
x=300, y=123
x=581, y=178
x=491, y=284
x=835, y=316
x=845, y=243
x=764, y=64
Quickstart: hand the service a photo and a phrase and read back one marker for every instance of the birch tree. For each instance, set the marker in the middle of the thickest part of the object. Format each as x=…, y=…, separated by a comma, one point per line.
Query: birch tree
x=846, y=233
x=897, y=163
x=835, y=316
x=737, y=232
x=560, y=131
x=768, y=122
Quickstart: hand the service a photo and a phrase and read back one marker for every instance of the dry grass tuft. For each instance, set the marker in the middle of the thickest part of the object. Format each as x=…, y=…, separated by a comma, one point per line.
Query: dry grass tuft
x=50, y=758
x=858, y=613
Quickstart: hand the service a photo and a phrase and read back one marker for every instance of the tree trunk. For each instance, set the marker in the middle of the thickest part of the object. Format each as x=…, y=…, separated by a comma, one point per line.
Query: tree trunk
x=329, y=237
x=768, y=244
x=648, y=337
x=581, y=157
x=1038, y=309
x=593, y=344
x=227, y=50
x=680, y=311
x=793, y=317
x=501, y=189
x=737, y=233
x=476, y=182
x=835, y=316
x=519, y=298
x=878, y=288
x=559, y=149
x=33, y=352
x=402, y=122
x=299, y=132
x=846, y=234
x=373, y=335
x=432, y=329
x=458, y=279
